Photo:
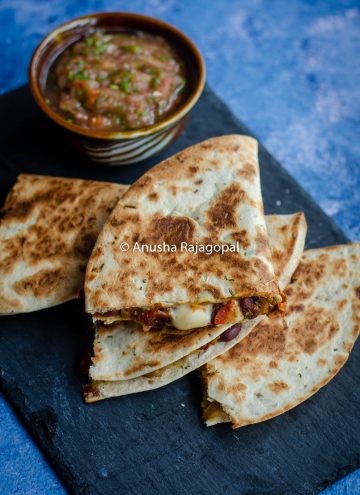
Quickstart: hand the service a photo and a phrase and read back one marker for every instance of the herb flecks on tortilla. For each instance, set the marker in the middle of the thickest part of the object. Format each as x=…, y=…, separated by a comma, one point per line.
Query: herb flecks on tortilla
x=209, y=194
x=287, y=359
x=116, y=370
x=48, y=227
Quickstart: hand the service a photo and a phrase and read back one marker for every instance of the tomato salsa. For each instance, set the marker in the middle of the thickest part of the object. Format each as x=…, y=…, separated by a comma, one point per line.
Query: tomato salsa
x=116, y=81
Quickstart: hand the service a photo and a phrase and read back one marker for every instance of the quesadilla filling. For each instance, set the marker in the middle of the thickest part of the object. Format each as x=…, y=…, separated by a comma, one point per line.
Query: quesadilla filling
x=213, y=413
x=189, y=316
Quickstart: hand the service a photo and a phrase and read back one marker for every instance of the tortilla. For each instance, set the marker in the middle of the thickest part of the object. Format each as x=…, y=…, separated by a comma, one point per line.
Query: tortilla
x=208, y=194
x=48, y=227
x=127, y=360
x=285, y=360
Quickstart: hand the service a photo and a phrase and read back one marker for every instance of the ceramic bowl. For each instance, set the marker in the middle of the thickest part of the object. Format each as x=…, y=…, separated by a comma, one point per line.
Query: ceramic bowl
x=109, y=147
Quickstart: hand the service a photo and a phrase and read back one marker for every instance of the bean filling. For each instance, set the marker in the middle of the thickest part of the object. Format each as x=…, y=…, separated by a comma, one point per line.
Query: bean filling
x=222, y=313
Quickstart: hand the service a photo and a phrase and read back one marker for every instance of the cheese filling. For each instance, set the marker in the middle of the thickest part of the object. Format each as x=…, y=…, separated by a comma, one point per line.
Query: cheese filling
x=186, y=316
x=214, y=414
x=190, y=316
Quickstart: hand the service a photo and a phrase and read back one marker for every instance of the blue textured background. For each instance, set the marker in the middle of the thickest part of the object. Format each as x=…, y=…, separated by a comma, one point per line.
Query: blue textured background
x=289, y=69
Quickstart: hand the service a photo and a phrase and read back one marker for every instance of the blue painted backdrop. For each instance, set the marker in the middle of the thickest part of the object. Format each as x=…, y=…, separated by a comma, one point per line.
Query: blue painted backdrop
x=289, y=69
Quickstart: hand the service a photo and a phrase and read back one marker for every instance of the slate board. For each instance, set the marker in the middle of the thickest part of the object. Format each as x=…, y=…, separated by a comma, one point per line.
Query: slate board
x=155, y=442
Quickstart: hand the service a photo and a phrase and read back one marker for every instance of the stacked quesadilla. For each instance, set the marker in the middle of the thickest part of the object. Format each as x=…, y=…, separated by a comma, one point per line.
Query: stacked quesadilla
x=156, y=315
x=48, y=227
x=123, y=354
x=146, y=321
x=160, y=314
x=208, y=194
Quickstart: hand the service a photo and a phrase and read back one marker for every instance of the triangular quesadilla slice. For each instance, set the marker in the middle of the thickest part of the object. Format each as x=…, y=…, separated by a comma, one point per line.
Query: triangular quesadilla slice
x=287, y=359
x=128, y=360
x=207, y=195
x=48, y=227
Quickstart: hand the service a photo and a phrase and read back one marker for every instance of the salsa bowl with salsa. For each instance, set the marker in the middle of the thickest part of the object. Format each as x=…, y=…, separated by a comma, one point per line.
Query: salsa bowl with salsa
x=120, y=85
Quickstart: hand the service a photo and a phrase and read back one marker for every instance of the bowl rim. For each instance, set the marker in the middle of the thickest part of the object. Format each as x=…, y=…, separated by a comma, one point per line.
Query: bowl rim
x=167, y=122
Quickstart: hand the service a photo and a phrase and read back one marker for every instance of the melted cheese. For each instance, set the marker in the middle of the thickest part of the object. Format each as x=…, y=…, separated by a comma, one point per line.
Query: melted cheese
x=214, y=414
x=186, y=316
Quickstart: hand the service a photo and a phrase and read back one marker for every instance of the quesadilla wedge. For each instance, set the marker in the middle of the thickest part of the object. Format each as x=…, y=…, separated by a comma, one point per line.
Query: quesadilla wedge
x=287, y=359
x=127, y=360
x=207, y=195
x=48, y=227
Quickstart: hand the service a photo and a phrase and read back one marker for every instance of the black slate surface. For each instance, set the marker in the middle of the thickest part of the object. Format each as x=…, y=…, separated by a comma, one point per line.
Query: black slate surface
x=155, y=442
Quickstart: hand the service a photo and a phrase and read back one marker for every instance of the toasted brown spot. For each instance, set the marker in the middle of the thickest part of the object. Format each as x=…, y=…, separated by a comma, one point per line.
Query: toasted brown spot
x=84, y=244
x=39, y=285
x=236, y=387
x=276, y=256
x=340, y=360
x=306, y=278
x=295, y=308
x=144, y=181
x=273, y=364
x=356, y=330
x=46, y=247
x=247, y=171
x=339, y=267
x=99, y=355
x=314, y=329
x=222, y=213
x=278, y=386
x=171, y=230
x=180, y=157
x=266, y=339
x=173, y=189
x=116, y=222
x=153, y=196
x=72, y=222
x=19, y=210
x=242, y=237
x=261, y=241
x=341, y=304
x=12, y=252
x=321, y=362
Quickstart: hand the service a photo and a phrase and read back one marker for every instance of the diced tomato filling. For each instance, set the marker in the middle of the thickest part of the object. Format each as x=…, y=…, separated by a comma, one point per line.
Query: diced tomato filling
x=221, y=314
x=153, y=318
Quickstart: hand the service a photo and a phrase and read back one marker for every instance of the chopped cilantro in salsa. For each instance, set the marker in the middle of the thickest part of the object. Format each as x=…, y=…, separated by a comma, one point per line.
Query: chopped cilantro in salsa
x=119, y=81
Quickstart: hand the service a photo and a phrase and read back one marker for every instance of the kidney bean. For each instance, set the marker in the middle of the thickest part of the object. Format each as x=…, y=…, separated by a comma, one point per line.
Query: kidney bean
x=249, y=308
x=231, y=333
